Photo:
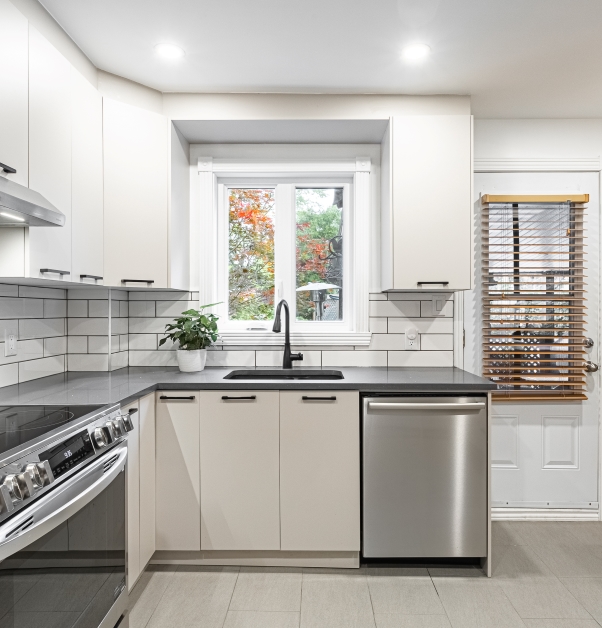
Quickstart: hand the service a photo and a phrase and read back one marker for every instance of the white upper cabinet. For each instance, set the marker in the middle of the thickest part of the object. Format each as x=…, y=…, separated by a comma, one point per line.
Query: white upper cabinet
x=50, y=82
x=86, y=183
x=13, y=92
x=135, y=195
x=427, y=204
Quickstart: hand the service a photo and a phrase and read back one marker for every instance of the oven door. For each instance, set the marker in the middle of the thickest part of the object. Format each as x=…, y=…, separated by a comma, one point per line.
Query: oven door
x=63, y=558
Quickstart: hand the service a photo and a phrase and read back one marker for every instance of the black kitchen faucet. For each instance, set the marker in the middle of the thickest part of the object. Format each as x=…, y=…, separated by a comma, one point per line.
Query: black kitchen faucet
x=288, y=358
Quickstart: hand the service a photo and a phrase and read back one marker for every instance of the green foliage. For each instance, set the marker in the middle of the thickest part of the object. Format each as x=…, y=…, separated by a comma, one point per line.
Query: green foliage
x=193, y=330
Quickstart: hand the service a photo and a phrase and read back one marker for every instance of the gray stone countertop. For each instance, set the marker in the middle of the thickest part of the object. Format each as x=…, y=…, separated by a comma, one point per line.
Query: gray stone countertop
x=128, y=384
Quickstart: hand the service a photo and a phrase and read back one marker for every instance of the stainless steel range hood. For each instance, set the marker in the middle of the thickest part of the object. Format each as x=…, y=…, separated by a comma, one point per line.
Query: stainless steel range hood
x=20, y=206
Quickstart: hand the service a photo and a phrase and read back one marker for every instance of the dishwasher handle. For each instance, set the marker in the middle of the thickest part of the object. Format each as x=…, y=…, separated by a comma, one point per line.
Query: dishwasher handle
x=383, y=405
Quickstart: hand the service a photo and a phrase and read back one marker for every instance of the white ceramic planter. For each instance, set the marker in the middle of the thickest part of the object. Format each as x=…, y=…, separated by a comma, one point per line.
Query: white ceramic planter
x=191, y=361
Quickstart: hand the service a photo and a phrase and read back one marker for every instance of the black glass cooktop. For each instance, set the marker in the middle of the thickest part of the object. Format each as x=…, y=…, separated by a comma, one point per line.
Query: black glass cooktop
x=21, y=424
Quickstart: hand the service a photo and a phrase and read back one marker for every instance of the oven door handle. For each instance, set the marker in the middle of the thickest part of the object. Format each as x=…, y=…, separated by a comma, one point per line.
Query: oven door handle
x=61, y=503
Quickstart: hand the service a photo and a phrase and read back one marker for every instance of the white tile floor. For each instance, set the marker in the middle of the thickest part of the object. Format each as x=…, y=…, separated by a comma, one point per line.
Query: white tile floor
x=545, y=575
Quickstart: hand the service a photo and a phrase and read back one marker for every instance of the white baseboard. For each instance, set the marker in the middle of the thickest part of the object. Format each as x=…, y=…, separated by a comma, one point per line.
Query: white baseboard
x=544, y=514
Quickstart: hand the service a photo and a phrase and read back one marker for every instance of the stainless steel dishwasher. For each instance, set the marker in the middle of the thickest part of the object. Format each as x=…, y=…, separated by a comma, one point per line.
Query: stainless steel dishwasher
x=424, y=477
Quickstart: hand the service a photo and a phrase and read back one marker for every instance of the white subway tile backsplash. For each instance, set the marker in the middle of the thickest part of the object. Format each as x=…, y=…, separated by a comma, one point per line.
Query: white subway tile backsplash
x=230, y=358
x=55, y=346
x=87, y=362
x=55, y=308
x=119, y=326
x=353, y=358
x=6, y=290
x=98, y=308
x=77, y=344
x=41, y=328
x=159, y=296
x=98, y=344
x=421, y=358
x=87, y=326
x=123, y=342
x=142, y=308
x=148, y=325
x=395, y=308
x=143, y=342
x=115, y=308
x=385, y=342
x=274, y=358
x=119, y=295
x=42, y=293
x=378, y=325
x=77, y=308
x=88, y=293
x=175, y=308
x=123, y=309
x=34, y=369
x=119, y=360
x=21, y=308
x=423, y=325
x=436, y=342
x=153, y=358
x=26, y=350
x=9, y=374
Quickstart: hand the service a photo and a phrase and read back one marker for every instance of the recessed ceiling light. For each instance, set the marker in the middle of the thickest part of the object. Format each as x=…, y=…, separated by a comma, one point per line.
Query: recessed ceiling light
x=415, y=52
x=13, y=217
x=169, y=51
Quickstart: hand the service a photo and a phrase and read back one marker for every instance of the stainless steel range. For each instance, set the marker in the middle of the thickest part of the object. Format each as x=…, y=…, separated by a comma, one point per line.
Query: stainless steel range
x=62, y=516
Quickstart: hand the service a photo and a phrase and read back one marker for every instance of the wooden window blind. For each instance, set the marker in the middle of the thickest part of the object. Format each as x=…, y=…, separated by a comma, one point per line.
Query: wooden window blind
x=534, y=296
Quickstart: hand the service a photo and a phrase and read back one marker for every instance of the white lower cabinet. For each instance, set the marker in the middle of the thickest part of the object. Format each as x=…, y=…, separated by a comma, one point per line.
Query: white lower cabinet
x=320, y=471
x=240, y=470
x=177, y=475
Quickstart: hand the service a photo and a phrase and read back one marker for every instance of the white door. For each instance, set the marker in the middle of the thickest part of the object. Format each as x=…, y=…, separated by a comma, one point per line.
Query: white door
x=545, y=455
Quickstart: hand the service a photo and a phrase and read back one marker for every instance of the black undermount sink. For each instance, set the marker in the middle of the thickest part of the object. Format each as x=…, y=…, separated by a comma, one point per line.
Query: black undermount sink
x=285, y=374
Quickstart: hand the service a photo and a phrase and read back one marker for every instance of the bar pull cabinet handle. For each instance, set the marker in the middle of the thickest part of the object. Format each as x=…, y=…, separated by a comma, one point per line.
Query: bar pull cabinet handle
x=432, y=283
x=8, y=169
x=243, y=398
x=89, y=277
x=138, y=281
x=381, y=405
x=308, y=398
x=166, y=398
x=53, y=270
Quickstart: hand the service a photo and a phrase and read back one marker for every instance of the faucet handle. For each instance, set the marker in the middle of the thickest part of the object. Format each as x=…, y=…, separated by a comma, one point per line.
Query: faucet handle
x=296, y=356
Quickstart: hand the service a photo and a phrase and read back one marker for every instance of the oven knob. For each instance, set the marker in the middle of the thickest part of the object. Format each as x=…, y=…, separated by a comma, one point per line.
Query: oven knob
x=127, y=422
x=40, y=473
x=19, y=486
x=109, y=431
x=100, y=438
x=6, y=502
x=118, y=428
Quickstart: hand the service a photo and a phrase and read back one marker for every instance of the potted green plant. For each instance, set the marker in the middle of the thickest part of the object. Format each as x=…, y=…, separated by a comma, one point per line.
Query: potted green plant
x=193, y=332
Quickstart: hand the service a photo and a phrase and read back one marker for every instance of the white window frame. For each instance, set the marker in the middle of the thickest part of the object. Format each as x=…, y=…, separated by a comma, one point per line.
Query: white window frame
x=214, y=177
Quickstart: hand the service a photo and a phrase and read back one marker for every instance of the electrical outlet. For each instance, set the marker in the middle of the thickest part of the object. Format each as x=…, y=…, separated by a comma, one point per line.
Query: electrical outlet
x=10, y=343
x=412, y=339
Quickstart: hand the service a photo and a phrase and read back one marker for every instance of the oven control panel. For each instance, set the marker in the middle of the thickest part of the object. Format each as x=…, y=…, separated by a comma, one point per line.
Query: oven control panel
x=26, y=478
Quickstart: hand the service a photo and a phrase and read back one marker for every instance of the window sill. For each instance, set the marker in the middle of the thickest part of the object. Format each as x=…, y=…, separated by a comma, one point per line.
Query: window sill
x=298, y=339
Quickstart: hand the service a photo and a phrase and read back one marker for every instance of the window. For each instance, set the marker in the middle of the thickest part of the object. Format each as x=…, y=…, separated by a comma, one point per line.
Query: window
x=298, y=231
x=285, y=240
x=534, y=296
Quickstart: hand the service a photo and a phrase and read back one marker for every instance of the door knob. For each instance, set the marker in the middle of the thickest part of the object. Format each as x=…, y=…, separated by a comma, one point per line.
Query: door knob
x=588, y=343
x=591, y=367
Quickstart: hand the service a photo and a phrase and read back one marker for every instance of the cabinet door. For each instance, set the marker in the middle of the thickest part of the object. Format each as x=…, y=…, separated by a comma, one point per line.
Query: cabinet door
x=147, y=479
x=178, y=509
x=432, y=203
x=239, y=471
x=320, y=471
x=133, y=497
x=135, y=195
x=14, y=92
x=86, y=184
x=49, y=153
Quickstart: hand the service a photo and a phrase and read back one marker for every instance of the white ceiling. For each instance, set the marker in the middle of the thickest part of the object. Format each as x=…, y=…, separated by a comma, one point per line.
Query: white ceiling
x=516, y=58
